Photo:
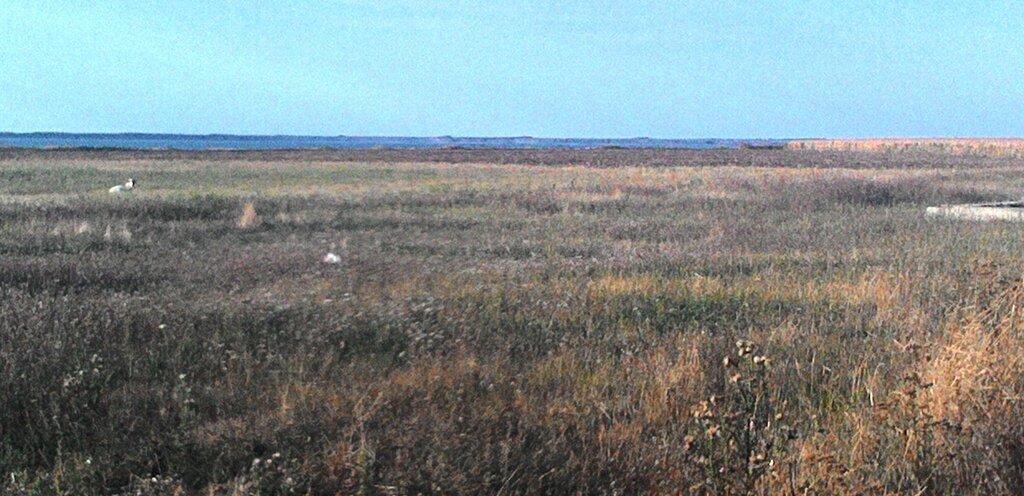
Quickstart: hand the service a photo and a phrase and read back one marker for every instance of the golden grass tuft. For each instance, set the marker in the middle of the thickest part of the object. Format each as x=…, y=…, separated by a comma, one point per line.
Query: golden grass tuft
x=248, y=217
x=975, y=377
x=951, y=420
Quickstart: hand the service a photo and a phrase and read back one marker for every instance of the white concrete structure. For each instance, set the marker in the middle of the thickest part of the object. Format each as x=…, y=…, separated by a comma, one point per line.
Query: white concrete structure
x=1012, y=211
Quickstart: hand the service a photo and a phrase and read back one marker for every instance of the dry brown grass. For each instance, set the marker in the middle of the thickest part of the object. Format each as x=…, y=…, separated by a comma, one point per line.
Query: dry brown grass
x=980, y=147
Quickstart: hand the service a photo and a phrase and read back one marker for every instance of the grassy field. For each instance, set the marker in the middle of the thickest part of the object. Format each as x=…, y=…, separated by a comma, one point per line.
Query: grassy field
x=503, y=322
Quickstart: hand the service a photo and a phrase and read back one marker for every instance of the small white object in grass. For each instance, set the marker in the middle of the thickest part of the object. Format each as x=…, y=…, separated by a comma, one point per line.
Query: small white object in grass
x=331, y=258
x=123, y=188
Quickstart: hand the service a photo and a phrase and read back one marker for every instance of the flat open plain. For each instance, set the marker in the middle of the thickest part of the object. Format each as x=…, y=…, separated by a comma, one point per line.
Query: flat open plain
x=508, y=321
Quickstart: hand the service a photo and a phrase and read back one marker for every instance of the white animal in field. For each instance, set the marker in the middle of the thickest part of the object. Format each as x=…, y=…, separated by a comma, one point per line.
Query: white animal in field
x=331, y=258
x=124, y=188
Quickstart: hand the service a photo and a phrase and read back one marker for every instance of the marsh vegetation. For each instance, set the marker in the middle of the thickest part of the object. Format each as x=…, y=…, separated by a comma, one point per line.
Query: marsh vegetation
x=593, y=322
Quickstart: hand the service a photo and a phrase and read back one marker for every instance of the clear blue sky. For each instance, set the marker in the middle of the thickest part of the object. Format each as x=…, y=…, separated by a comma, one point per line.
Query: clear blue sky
x=553, y=69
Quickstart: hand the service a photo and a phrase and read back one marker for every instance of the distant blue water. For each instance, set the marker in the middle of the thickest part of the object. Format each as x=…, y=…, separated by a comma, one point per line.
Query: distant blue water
x=233, y=142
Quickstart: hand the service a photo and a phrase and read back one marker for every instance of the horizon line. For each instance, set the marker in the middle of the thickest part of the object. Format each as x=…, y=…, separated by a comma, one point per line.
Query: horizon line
x=405, y=136
x=490, y=137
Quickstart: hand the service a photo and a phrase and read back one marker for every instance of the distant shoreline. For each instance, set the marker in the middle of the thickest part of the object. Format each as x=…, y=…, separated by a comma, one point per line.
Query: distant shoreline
x=151, y=141
x=172, y=143
x=598, y=157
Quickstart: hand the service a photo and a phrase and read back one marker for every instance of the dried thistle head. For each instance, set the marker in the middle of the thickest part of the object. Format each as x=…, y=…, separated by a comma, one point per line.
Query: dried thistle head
x=703, y=411
x=744, y=347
